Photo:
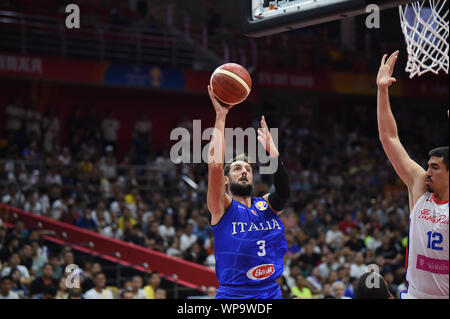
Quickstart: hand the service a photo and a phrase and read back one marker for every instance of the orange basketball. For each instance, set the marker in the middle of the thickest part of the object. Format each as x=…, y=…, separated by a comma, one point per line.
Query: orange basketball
x=231, y=83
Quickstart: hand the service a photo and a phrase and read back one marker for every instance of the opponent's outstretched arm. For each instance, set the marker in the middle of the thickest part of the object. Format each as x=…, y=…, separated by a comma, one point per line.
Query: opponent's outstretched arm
x=409, y=171
x=217, y=198
x=278, y=199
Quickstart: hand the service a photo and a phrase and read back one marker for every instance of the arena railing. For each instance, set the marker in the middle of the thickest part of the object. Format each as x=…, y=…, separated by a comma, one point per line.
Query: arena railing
x=48, y=35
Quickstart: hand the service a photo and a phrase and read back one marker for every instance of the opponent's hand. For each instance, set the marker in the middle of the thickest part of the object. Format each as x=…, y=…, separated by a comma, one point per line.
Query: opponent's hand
x=384, y=77
x=219, y=107
x=265, y=138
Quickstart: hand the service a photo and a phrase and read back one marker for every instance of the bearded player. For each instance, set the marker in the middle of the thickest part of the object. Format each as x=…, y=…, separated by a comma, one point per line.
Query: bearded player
x=249, y=240
x=427, y=254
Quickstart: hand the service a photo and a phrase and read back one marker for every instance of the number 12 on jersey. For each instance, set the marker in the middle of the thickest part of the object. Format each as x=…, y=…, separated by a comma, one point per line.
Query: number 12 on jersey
x=437, y=239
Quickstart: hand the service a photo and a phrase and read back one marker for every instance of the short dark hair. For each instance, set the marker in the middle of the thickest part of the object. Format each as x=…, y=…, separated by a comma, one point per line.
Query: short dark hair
x=364, y=292
x=240, y=157
x=440, y=152
x=75, y=293
x=4, y=278
x=49, y=290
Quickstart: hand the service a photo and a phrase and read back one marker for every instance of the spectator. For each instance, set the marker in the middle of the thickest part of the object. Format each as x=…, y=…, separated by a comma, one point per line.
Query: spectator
x=308, y=259
x=14, y=117
x=126, y=217
x=55, y=261
x=293, y=251
x=86, y=221
x=160, y=293
x=89, y=275
x=166, y=230
x=14, y=263
x=335, y=237
x=355, y=243
x=357, y=267
x=32, y=205
x=135, y=235
x=62, y=292
x=136, y=288
x=11, y=246
x=310, y=227
x=351, y=287
x=65, y=158
x=142, y=138
x=51, y=128
x=60, y=206
x=75, y=294
x=26, y=255
x=99, y=291
x=187, y=238
x=38, y=285
x=6, y=292
x=112, y=231
x=202, y=231
x=110, y=127
x=49, y=292
x=18, y=287
x=326, y=292
x=346, y=225
x=14, y=197
x=338, y=290
x=107, y=164
x=153, y=236
x=101, y=216
x=39, y=258
x=301, y=289
x=153, y=283
x=174, y=248
x=314, y=281
x=196, y=253
x=127, y=294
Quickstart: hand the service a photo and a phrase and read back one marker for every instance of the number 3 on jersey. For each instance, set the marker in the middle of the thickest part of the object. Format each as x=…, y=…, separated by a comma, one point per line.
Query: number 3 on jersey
x=262, y=247
x=437, y=239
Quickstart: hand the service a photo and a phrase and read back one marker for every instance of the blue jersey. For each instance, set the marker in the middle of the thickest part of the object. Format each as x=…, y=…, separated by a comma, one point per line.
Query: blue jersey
x=249, y=246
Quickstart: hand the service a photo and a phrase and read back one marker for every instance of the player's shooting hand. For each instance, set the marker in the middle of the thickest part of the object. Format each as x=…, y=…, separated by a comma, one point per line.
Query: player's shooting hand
x=384, y=77
x=265, y=138
x=219, y=107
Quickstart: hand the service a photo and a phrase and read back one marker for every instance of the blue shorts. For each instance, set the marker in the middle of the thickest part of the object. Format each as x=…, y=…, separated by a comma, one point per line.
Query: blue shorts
x=270, y=291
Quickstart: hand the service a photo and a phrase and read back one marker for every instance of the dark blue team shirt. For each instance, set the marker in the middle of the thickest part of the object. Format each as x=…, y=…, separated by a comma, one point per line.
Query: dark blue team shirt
x=249, y=245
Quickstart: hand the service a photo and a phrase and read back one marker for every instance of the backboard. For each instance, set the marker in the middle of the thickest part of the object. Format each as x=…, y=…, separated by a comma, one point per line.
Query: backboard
x=266, y=17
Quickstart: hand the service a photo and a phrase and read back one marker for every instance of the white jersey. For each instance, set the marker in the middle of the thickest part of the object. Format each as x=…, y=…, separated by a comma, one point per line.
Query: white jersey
x=427, y=255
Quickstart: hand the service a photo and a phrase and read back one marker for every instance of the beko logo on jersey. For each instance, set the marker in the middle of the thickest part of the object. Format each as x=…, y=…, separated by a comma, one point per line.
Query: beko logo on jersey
x=243, y=227
x=426, y=215
x=260, y=272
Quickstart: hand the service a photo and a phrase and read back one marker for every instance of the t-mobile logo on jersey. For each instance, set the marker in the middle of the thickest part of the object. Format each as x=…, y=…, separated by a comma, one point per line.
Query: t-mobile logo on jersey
x=243, y=227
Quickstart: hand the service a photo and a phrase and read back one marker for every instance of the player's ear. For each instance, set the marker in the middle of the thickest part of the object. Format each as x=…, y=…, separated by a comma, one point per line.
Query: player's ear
x=226, y=180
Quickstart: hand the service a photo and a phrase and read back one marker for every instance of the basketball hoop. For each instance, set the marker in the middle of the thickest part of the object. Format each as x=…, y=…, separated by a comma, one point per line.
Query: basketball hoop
x=425, y=27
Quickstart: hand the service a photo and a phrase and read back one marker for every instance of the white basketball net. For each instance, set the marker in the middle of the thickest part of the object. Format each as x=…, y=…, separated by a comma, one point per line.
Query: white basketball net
x=425, y=27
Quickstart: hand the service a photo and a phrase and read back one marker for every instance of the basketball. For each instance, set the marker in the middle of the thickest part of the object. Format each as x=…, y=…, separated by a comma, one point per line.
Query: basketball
x=231, y=83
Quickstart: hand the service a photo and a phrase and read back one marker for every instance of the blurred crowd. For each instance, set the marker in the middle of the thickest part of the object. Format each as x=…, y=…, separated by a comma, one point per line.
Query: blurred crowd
x=348, y=210
x=31, y=270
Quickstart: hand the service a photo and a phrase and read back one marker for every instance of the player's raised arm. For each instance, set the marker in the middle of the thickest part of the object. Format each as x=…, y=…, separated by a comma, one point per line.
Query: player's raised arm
x=278, y=199
x=409, y=171
x=217, y=199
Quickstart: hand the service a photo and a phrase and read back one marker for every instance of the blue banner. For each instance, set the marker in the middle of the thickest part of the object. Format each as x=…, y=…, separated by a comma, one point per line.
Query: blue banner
x=144, y=77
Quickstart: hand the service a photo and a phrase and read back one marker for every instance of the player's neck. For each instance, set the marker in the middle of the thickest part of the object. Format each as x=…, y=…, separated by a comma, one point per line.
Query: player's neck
x=244, y=200
x=441, y=196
